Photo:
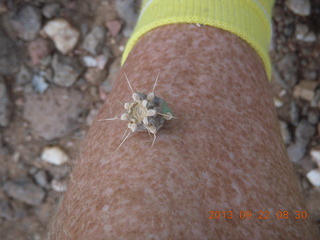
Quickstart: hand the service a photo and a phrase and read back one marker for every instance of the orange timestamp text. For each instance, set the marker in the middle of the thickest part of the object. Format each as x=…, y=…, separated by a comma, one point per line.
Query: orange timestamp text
x=263, y=215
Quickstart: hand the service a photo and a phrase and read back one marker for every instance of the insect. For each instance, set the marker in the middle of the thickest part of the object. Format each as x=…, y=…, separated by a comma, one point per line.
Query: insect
x=147, y=112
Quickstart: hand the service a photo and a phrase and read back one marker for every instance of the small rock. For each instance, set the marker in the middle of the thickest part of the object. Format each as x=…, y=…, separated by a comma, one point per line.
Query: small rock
x=66, y=70
x=104, y=58
x=59, y=110
x=313, y=117
x=113, y=73
x=59, y=185
x=3, y=8
x=296, y=151
x=303, y=33
x=6, y=211
x=54, y=155
x=5, y=109
x=9, y=59
x=39, y=83
x=288, y=67
x=27, y=22
x=24, y=190
x=314, y=177
x=94, y=41
x=114, y=27
x=64, y=36
x=50, y=10
x=299, y=7
x=94, y=75
x=126, y=10
x=41, y=178
x=24, y=76
x=305, y=131
x=310, y=75
x=89, y=61
x=286, y=136
x=277, y=102
x=313, y=205
x=305, y=90
x=38, y=49
x=294, y=113
x=310, y=37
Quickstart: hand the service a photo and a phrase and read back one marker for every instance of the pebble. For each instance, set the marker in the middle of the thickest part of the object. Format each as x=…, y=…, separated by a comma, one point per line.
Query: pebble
x=313, y=117
x=38, y=49
x=314, y=177
x=5, y=110
x=286, y=136
x=24, y=76
x=94, y=75
x=3, y=8
x=39, y=83
x=296, y=151
x=288, y=68
x=59, y=110
x=64, y=36
x=50, y=10
x=66, y=70
x=54, y=155
x=59, y=185
x=113, y=73
x=114, y=27
x=94, y=41
x=9, y=58
x=24, y=190
x=304, y=131
x=277, y=102
x=27, y=22
x=303, y=33
x=41, y=178
x=89, y=61
x=294, y=113
x=299, y=7
x=6, y=211
x=126, y=10
x=310, y=75
x=305, y=90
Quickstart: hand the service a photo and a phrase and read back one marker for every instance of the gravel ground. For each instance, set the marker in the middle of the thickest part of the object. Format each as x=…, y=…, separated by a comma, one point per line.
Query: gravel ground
x=58, y=60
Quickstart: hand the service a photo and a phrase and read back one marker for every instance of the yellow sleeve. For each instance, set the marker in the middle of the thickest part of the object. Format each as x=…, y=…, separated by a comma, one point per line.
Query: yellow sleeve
x=248, y=19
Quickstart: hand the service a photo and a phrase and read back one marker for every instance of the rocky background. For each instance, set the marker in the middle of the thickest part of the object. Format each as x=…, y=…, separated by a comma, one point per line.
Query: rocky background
x=58, y=60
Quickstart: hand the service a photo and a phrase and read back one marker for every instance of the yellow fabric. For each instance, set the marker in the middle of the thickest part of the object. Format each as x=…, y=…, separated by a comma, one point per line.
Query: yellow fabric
x=248, y=19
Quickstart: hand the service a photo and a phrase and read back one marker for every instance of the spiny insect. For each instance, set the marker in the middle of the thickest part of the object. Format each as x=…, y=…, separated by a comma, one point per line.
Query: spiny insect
x=147, y=112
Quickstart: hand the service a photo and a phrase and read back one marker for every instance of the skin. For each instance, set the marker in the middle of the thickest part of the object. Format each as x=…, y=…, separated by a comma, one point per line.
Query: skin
x=223, y=153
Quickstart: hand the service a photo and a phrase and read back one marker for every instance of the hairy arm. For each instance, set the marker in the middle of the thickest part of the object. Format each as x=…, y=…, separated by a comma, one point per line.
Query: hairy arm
x=223, y=153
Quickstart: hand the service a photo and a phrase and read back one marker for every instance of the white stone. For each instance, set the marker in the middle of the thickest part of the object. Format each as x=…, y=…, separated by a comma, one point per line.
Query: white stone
x=277, y=102
x=300, y=7
x=54, y=155
x=64, y=36
x=58, y=185
x=89, y=61
x=314, y=177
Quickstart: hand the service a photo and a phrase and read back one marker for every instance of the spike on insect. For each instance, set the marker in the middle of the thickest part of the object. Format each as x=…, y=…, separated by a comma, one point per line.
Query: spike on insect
x=147, y=112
